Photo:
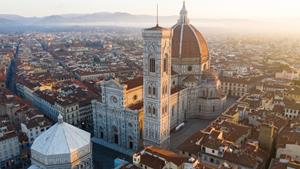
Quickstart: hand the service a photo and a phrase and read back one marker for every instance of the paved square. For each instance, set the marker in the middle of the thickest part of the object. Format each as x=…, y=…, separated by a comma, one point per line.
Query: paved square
x=190, y=127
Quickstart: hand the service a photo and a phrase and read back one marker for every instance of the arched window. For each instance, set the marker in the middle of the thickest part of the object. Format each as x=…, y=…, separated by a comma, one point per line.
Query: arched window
x=152, y=65
x=149, y=90
x=130, y=124
x=130, y=142
x=165, y=65
x=154, y=91
x=149, y=109
x=154, y=111
x=101, y=132
x=115, y=129
x=213, y=108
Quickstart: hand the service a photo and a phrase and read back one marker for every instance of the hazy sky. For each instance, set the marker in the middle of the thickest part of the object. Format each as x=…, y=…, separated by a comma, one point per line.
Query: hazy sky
x=196, y=8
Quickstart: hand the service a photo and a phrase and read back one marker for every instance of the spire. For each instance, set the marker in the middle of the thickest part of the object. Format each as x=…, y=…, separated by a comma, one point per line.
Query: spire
x=60, y=119
x=157, y=15
x=183, y=15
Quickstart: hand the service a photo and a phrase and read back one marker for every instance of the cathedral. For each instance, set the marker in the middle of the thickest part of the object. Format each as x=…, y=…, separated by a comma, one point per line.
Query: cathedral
x=177, y=85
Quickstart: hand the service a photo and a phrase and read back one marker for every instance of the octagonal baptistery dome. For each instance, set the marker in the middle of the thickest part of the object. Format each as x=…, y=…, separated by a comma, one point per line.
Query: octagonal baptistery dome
x=190, y=54
x=62, y=146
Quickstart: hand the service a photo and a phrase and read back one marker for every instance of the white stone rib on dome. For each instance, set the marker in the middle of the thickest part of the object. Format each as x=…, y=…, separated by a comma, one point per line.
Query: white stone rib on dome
x=62, y=138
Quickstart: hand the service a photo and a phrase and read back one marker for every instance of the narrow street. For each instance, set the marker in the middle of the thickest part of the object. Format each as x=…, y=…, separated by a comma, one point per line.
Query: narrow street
x=11, y=78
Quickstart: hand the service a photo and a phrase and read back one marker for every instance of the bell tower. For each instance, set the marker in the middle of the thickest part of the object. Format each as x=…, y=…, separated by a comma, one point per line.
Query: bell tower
x=157, y=85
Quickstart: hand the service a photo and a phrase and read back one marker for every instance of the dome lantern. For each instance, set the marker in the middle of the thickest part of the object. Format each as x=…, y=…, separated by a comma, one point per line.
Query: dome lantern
x=183, y=15
x=60, y=119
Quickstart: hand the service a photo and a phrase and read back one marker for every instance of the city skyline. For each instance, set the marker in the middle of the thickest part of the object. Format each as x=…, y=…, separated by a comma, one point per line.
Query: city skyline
x=275, y=9
x=139, y=84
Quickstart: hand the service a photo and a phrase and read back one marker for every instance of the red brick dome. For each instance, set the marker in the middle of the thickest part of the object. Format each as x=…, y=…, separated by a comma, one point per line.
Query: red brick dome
x=187, y=41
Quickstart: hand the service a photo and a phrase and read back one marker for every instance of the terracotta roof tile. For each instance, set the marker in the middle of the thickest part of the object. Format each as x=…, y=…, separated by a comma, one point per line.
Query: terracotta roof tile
x=134, y=83
x=136, y=106
x=152, y=161
x=193, y=44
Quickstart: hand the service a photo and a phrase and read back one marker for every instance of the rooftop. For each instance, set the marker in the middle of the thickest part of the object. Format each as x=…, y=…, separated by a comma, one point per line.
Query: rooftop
x=62, y=138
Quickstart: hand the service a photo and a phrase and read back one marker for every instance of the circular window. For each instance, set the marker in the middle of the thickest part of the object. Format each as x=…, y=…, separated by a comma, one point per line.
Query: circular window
x=190, y=68
x=135, y=97
x=114, y=99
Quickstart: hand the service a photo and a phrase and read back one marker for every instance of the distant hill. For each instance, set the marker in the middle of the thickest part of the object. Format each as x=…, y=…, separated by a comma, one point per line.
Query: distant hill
x=16, y=22
x=84, y=18
x=6, y=21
